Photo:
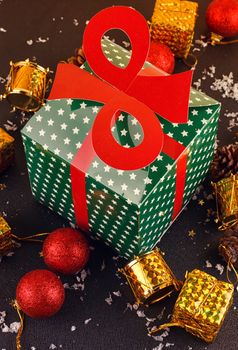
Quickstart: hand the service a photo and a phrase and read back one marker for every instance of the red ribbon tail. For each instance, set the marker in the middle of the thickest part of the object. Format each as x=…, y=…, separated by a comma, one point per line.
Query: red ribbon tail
x=180, y=184
x=178, y=152
x=78, y=169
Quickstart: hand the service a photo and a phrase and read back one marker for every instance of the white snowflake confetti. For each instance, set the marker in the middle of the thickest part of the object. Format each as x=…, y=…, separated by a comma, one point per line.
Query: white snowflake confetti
x=87, y=321
x=226, y=86
x=159, y=347
x=10, y=126
x=103, y=266
x=140, y=313
x=220, y=268
x=42, y=40
x=109, y=300
x=52, y=346
x=208, y=264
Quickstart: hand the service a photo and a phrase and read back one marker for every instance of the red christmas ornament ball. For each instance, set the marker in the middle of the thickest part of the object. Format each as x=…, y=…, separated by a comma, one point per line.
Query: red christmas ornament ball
x=40, y=294
x=161, y=56
x=222, y=17
x=66, y=250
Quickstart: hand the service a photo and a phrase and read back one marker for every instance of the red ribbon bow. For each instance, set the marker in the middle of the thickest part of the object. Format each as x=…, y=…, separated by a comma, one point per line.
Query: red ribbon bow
x=133, y=90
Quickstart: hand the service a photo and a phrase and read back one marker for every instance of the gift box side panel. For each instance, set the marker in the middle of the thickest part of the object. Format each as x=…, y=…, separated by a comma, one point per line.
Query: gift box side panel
x=112, y=218
x=200, y=155
x=156, y=210
x=49, y=178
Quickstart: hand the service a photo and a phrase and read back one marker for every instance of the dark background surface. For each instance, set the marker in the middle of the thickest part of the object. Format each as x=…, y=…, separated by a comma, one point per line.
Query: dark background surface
x=112, y=326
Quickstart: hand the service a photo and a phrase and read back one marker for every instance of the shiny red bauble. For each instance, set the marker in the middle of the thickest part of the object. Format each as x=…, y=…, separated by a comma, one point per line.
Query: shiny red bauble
x=161, y=56
x=66, y=250
x=40, y=294
x=222, y=17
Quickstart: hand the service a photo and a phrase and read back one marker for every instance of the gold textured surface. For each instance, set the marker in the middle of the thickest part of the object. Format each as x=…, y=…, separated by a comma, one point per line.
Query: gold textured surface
x=173, y=24
x=202, y=305
x=6, y=149
x=27, y=85
x=150, y=278
x=226, y=192
x=5, y=237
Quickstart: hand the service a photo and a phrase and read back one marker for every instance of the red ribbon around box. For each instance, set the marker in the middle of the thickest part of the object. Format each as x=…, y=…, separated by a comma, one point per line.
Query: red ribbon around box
x=136, y=91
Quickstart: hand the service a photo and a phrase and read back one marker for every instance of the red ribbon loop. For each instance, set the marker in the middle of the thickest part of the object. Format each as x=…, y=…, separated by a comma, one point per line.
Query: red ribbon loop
x=135, y=26
x=111, y=151
x=155, y=91
x=139, y=94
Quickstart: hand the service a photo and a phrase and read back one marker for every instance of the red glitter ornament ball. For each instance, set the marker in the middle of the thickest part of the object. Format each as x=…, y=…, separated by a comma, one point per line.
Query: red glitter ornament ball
x=66, y=250
x=40, y=294
x=161, y=56
x=222, y=17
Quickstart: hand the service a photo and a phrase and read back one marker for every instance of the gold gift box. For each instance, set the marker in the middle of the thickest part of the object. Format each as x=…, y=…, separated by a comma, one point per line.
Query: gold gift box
x=6, y=243
x=6, y=149
x=173, y=24
x=202, y=305
x=226, y=192
x=150, y=278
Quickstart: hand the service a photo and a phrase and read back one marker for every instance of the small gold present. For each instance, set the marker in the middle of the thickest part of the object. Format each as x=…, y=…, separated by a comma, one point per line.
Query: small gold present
x=6, y=150
x=202, y=305
x=6, y=243
x=150, y=278
x=173, y=24
x=226, y=192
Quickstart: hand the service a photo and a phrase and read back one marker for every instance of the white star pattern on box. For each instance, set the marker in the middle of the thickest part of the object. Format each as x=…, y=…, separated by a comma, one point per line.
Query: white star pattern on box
x=38, y=118
x=132, y=176
x=50, y=122
x=75, y=130
x=107, y=169
x=124, y=132
x=42, y=132
x=53, y=137
x=47, y=108
x=86, y=120
x=60, y=111
x=124, y=187
x=29, y=128
x=63, y=126
x=73, y=115
x=67, y=141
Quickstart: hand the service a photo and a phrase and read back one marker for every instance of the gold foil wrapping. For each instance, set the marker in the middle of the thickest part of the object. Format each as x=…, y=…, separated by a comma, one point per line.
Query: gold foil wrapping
x=202, y=305
x=173, y=24
x=150, y=278
x=26, y=85
x=6, y=243
x=6, y=149
x=226, y=192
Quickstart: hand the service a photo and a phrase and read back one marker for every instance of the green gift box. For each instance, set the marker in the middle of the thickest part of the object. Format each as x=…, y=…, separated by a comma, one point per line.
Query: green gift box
x=129, y=210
